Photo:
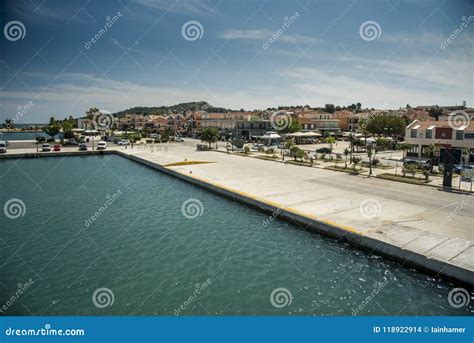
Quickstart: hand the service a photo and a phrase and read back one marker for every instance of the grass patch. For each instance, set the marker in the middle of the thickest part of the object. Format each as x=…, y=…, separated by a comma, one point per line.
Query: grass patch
x=186, y=163
x=346, y=170
x=300, y=163
x=378, y=166
x=400, y=178
x=270, y=158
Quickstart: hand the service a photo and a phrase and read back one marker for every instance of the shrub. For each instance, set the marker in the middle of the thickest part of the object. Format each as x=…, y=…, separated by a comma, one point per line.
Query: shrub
x=149, y=140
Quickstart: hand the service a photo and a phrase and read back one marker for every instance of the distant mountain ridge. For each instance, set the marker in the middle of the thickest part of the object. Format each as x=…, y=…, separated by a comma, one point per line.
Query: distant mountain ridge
x=179, y=108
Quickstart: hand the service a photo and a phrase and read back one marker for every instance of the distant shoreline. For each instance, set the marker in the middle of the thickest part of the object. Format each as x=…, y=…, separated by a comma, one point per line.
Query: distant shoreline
x=20, y=130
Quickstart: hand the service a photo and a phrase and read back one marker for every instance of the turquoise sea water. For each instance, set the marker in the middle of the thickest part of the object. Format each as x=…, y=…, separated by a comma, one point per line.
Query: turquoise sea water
x=22, y=136
x=144, y=250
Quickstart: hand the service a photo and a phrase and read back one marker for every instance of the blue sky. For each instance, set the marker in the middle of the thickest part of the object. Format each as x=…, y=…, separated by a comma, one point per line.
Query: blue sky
x=320, y=57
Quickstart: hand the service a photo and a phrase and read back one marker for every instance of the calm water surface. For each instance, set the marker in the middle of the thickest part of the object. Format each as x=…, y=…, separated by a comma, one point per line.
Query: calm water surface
x=156, y=261
x=22, y=135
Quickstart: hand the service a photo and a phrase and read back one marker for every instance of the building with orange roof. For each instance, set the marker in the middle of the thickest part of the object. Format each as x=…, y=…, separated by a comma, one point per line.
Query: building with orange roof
x=348, y=120
x=320, y=121
x=224, y=122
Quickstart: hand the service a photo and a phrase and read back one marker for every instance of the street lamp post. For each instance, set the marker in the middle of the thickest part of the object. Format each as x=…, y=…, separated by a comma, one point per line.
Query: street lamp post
x=370, y=160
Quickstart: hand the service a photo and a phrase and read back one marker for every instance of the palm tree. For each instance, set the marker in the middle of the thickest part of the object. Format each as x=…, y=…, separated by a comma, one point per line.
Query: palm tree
x=346, y=153
x=369, y=155
x=355, y=161
x=404, y=147
x=9, y=124
x=330, y=140
x=432, y=150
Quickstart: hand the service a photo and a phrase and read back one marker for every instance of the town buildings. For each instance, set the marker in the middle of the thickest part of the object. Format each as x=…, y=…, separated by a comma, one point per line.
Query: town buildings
x=324, y=122
x=423, y=134
x=224, y=122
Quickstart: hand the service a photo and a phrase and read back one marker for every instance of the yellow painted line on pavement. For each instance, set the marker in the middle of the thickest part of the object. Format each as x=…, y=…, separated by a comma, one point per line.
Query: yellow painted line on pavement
x=186, y=163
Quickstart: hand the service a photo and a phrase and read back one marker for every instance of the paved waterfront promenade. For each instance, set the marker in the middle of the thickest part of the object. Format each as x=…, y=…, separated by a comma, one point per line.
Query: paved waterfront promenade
x=421, y=221
x=418, y=225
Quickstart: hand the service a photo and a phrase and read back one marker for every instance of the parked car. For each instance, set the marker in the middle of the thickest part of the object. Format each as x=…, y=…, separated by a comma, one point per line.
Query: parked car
x=70, y=142
x=257, y=147
x=178, y=139
x=154, y=136
x=324, y=150
x=425, y=165
x=123, y=142
x=82, y=147
x=45, y=147
x=101, y=145
x=3, y=147
x=460, y=167
x=57, y=147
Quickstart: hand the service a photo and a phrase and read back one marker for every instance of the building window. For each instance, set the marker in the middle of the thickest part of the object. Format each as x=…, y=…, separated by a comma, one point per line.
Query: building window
x=429, y=134
x=459, y=135
x=469, y=135
x=413, y=133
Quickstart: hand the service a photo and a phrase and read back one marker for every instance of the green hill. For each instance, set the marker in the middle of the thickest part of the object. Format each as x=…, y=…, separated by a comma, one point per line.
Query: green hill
x=179, y=108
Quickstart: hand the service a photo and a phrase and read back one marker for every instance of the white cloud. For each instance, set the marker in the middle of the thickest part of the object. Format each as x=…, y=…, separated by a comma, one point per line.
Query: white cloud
x=378, y=91
x=196, y=7
x=265, y=34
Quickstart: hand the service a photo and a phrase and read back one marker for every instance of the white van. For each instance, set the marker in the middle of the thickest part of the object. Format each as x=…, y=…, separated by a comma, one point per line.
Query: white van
x=101, y=145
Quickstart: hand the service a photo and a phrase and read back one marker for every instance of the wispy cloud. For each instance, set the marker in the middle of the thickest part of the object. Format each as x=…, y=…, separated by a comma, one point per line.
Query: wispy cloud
x=195, y=7
x=264, y=34
x=385, y=84
x=409, y=38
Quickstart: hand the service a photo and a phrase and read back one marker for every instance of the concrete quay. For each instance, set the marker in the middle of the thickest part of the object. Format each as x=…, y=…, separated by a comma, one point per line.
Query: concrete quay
x=418, y=226
x=422, y=227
